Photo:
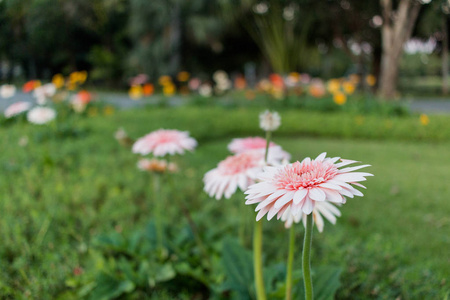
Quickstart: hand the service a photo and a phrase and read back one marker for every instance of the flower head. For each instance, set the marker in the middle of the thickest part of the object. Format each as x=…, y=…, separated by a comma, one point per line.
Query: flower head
x=41, y=115
x=17, y=108
x=299, y=186
x=164, y=141
x=43, y=92
x=269, y=121
x=325, y=209
x=156, y=165
x=7, y=91
x=236, y=171
x=257, y=143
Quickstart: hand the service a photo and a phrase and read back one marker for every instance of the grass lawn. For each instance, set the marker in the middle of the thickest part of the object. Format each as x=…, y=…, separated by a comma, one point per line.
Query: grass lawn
x=73, y=205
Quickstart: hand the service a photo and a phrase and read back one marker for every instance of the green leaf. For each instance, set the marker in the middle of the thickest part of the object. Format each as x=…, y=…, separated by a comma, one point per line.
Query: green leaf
x=238, y=266
x=109, y=287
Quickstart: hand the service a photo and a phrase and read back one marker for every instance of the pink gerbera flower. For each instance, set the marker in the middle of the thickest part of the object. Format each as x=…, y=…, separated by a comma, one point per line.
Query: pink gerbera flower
x=236, y=171
x=17, y=108
x=256, y=143
x=323, y=208
x=299, y=186
x=164, y=141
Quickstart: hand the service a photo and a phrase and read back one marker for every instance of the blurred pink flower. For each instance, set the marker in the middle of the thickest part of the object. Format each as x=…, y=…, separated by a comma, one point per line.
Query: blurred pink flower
x=328, y=210
x=17, y=108
x=164, y=141
x=299, y=186
x=240, y=145
x=236, y=171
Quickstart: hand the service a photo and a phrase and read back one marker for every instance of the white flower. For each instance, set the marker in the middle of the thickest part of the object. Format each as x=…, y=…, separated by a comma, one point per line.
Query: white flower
x=205, y=90
x=269, y=121
x=44, y=92
x=41, y=115
x=7, y=91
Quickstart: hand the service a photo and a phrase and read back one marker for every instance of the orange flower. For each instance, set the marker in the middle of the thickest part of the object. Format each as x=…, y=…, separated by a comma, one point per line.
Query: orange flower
x=250, y=95
x=339, y=98
x=165, y=80
x=183, y=76
x=317, y=88
x=240, y=83
x=148, y=89
x=30, y=85
x=277, y=81
x=371, y=80
x=84, y=96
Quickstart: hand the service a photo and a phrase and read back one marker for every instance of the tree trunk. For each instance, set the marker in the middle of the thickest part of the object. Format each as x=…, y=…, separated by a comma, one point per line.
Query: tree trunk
x=444, y=55
x=396, y=30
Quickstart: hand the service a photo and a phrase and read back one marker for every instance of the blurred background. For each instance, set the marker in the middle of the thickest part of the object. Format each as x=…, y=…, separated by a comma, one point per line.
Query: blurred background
x=115, y=40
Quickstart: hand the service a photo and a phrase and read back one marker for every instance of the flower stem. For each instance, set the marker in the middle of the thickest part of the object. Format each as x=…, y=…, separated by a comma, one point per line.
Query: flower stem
x=157, y=204
x=290, y=263
x=306, y=261
x=257, y=261
x=268, y=137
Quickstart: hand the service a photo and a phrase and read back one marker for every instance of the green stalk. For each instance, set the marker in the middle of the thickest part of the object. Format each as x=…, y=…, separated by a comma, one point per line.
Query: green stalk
x=268, y=136
x=306, y=260
x=290, y=263
x=257, y=261
x=157, y=210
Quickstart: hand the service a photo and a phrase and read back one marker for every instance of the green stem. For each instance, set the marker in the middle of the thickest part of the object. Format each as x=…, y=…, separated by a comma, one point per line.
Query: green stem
x=306, y=260
x=290, y=263
x=157, y=211
x=257, y=261
x=268, y=136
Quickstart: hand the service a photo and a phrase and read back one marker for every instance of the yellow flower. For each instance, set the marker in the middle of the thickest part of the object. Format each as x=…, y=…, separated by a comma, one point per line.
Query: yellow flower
x=58, y=81
x=333, y=85
x=82, y=76
x=108, y=110
x=92, y=111
x=277, y=93
x=183, y=76
x=349, y=88
x=169, y=89
x=164, y=80
x=339, y=98
x=424, y=120
x=135, y=92
x=371, y=80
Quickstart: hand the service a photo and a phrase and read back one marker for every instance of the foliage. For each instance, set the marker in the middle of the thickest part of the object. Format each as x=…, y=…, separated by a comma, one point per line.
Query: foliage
x=77, y=215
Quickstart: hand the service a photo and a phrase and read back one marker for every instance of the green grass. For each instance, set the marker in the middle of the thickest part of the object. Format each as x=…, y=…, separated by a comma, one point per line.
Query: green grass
x=61, y=195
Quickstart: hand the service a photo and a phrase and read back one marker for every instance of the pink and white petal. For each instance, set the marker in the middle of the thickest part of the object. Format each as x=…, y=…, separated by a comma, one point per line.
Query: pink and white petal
x=318, y=220
x=316, y=194
x=299, y=195
x=284, y=199
x=308, y=206
x=333, y=196
x=321, y=156
x=351, y=169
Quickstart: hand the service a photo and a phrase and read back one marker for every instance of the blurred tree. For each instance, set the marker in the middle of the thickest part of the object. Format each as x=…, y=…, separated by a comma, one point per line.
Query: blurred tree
x=279, y=28
x=397, y=28
x=163, y=31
